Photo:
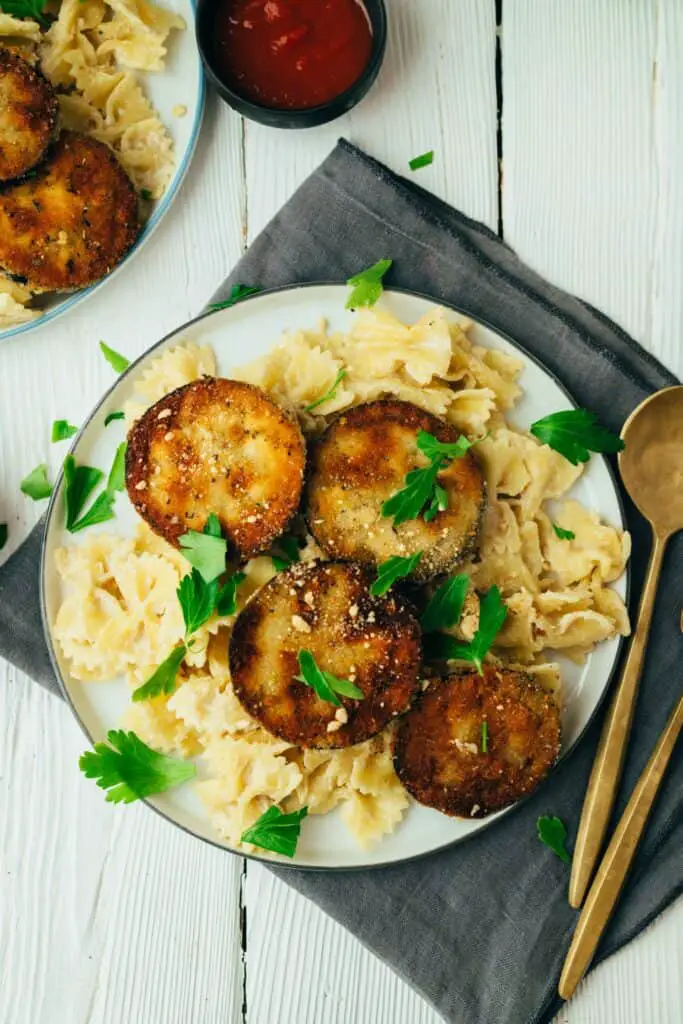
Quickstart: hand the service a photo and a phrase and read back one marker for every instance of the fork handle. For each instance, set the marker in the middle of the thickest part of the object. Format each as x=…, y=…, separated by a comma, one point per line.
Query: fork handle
x=609, y=881
x=609, y=760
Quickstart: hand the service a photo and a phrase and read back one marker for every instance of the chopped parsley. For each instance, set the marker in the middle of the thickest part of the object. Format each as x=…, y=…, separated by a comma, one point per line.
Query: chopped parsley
x=61, y=429
x=81, y=481
x=163, y=679
x=424, y=160
x=326, y=685
x=36, y=485
x=445, y=605
x=421, y=490
x=146, y=194
x=276, y=831
x=575, y=434
x=110, y=417
x=239, y=292
x=286, y=553
x=117, y=362
x=206, y=551
x=329, y=395
x=367, y=285
x=484, y=737
x=25, y=9
x=393, y=569
x=492, y=615
x=562, y=533
x=130, y=770
x=553, y=833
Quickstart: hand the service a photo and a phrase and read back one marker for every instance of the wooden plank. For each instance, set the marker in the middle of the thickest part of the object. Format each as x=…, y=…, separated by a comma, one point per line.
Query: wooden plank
x=108, y=914
x=436, y=91
x=578, y=160
x=592, y=198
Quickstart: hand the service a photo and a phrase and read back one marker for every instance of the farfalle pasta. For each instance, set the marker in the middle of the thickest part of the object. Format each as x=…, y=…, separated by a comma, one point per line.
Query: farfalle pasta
x=119, y=615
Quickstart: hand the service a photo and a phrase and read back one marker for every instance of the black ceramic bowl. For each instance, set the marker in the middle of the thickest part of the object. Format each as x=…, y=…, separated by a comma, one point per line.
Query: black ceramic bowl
x=279, y=118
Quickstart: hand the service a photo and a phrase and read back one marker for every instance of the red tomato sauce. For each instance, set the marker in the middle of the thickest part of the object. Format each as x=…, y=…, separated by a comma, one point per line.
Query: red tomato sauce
x=292, y=54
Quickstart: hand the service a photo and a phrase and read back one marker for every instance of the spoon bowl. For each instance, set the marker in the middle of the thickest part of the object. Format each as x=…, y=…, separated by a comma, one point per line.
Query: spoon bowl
x=651, y=466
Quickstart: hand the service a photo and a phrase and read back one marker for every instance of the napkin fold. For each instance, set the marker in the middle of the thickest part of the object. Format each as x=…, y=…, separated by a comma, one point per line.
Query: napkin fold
x=480, y=930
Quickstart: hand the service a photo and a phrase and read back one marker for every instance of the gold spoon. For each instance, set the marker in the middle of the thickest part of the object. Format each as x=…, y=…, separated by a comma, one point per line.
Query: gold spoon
x=609, y=881
x=651, y=467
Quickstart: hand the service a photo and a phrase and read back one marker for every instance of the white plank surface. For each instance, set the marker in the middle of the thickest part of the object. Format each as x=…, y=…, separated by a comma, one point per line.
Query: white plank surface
x=110, y=915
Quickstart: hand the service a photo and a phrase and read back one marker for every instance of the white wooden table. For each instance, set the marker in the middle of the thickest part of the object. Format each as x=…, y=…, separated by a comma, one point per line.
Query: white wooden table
x=112, y=916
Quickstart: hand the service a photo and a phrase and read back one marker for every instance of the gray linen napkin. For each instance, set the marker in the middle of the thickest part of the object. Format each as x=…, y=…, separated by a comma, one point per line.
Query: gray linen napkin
x=480, y=930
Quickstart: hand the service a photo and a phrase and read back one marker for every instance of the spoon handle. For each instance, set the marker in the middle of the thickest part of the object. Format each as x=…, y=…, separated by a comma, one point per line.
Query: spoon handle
x=609, y=881
x=609, y=760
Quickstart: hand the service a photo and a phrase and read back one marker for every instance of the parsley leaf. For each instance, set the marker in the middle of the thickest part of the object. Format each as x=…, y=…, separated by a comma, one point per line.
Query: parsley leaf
x=435, y=449
x=288, y=553
x=367, y=285
x=239, y=292
x=226, y=601
x=146, y=194
x=25, y=9
x=444, y=608
x=163, y=680
x=492, y=614
x=484, y=737
x=276, y=831
x=418, y=491
x=79, y=483
x=326, y=685
x=206, y=551
x=329, y=395
x=61, y=429
x=424, y=160
x=421, y=487
x=197, y=600
x=3, y=535
x=553, y=833
x=130, y=770
x=117, y=362
x=563, y=534
x=110, y=417
x=102, y=509
x=575, y=434
x=36, y=485
x=393, y=569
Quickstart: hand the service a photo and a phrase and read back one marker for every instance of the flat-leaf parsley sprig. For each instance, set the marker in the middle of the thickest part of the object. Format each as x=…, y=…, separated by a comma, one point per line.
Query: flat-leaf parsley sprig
x=575, y=434
x=492, y=614
x=395, y=568
x=239, y=292
x=25, y=9
x=326, y=685
x=421, y=490
x=445, y=606
x=79, y=484
x=130, y=770
x=206, y=551
x=199, y=599
x=276, y=831
x=367, y=285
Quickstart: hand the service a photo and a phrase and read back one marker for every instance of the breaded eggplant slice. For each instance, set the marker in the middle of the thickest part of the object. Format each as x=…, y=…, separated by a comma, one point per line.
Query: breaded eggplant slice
x=219, y=446
x=361, y=461
x=69, y=224
x=325, y=608
x=29, y=116
x=438, y=753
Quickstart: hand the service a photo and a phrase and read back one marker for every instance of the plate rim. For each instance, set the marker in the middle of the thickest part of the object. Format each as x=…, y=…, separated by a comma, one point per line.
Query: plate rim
x=292, y=865
x=165, y=203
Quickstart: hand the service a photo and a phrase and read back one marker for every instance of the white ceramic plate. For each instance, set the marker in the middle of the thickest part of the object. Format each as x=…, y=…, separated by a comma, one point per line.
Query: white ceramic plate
x=238, y=335
x=180, y=83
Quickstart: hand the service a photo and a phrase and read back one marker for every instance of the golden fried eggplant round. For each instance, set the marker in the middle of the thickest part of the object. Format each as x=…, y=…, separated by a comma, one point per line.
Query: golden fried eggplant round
x=361, y=461
x=327, y=609
x=218, y=446
x=474, y=744
x=69, y=224
x=29, y=116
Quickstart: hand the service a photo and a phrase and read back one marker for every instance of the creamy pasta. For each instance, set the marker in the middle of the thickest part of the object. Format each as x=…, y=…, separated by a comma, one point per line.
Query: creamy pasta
x=119, y=614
